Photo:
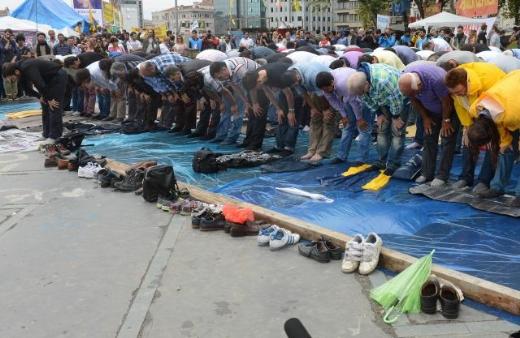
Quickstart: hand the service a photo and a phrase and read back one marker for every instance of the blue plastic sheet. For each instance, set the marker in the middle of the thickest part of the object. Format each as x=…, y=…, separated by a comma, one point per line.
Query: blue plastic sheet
x=7, y=108
x=479, y=243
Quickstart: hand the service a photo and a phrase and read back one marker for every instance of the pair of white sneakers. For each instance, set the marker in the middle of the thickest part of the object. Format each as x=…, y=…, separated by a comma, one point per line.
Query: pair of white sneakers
x=276, y=237
x=89, y=171
x=362, y=254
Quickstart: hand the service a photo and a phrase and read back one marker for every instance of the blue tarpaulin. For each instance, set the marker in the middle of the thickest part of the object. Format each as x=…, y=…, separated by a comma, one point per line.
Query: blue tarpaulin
x=55, y=13
x=479, y=243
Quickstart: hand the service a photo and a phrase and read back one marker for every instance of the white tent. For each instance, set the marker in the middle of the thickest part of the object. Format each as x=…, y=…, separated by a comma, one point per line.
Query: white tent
x=445, y=19
x=21, y=25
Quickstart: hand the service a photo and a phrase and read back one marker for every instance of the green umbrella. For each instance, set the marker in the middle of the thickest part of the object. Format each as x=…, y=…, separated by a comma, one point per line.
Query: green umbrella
x=402, y=293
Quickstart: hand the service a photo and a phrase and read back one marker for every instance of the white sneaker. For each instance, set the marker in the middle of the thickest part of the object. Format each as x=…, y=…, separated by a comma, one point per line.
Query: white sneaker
x=281, y=238
x=413, y=145
x=371, y=252
x=437, y=182
x=264, y=235
x=421, y=179
x=89, y=171
x=306, y=128
x=353, y=254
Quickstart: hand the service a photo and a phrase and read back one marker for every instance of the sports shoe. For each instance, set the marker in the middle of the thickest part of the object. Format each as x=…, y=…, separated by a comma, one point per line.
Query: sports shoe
x=315, y=250
x=132, y=181
x=89, y=171
x=264, y=234
x=371, y=251
x=460, y=184
x=353, y=254
x=107, y=178
x=421, y=179
x=281, y=238
x=413, y=145
x=212, y=222
x=163, y=202
x=437, y=182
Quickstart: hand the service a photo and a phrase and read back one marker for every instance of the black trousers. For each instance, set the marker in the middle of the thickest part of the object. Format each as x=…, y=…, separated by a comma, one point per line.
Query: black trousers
x=150, y=111
x=431, y=146
x=255, y=131
x=208, y=120
x=167, y=114
x=52, y=119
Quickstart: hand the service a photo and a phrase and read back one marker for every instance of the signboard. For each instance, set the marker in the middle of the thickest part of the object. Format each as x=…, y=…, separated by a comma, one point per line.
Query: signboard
x=474, y=8
x=383, y=22
x=85, y=7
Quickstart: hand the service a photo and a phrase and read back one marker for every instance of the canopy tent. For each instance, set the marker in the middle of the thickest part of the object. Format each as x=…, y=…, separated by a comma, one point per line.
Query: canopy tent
x=55, y=13
x=26, y=26
x=445, y=19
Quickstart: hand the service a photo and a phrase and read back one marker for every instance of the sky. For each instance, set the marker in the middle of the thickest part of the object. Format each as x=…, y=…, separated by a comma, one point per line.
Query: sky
x=148, y=5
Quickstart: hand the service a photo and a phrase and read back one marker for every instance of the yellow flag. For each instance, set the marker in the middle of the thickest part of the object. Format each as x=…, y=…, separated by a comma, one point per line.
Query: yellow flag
x=297, y=5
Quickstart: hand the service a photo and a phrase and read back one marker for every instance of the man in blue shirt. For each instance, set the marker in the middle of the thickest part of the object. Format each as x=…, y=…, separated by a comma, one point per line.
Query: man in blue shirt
x=194, y=42
x=387, y=39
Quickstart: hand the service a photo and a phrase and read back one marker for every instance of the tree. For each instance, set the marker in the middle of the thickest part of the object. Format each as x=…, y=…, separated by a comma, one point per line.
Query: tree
x=369, y=9
x=511, y=9
x=422, y=5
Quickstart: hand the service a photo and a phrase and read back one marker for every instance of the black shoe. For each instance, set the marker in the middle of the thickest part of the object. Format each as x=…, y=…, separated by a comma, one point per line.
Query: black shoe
x=315, y=250
x=274, y=151
x=450, y=302
x=242, y=145
x=429, y=295
x=195, y=134
x=106, y=178
x=132, y=181
x=175, y=130
x=212, y=222
x=335, y=252
x=285, y=152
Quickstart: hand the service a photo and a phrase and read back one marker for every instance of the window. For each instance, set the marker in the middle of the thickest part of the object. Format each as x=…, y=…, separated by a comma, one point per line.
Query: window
x=299, y=18
x=285, y=19
x=272, y=19
x=271, y=10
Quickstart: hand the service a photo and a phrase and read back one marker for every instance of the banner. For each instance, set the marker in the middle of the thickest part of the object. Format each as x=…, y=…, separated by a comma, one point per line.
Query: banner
x=108, y=14
x=86, y=8
x=474, y=8
x=383, y=22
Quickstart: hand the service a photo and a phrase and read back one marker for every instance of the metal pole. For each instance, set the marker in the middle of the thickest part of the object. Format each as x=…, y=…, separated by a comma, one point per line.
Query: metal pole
x=176, y=19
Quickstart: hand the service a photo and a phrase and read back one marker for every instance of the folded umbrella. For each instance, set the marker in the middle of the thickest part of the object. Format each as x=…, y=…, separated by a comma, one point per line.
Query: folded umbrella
x=402, y=294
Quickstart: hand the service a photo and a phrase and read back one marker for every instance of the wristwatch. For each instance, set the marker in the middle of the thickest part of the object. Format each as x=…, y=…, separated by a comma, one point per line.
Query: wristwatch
x=447, y=120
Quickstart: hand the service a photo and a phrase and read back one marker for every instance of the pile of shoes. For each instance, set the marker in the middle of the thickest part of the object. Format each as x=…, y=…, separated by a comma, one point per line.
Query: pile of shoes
x=362, y=254
x=322, y=250
x=246, y=158
x=449, y=296
x=208, y=217
x=276, y=237
x=178, y=206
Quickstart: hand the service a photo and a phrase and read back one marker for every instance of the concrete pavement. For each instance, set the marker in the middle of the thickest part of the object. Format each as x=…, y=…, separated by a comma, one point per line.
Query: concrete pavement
x=80, y=261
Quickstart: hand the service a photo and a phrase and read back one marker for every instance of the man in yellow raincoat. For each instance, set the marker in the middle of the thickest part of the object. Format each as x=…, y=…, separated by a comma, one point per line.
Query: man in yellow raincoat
x=466, y=83
x=497, y=119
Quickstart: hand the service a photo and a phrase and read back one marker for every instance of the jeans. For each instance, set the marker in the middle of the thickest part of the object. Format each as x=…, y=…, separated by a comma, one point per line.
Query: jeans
x=76, y=103
x=349, y=131
x=431, y=145
x=503, y=172
x=390, y=139
x=230, y=125
x=104, y=104
x=469, y=164
x=286, y=135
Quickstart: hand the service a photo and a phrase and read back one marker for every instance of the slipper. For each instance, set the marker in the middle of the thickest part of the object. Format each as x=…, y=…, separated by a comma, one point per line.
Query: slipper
x=377, y=183
x=357, y=169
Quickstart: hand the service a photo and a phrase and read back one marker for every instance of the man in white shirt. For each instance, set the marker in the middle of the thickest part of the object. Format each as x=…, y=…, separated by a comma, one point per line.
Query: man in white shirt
x=134, y=45
x=438, y=45
x=165, y=46
x=246, y=41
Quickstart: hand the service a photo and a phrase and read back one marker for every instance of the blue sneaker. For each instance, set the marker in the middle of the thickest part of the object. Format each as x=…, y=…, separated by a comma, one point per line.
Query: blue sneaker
x=265, y=234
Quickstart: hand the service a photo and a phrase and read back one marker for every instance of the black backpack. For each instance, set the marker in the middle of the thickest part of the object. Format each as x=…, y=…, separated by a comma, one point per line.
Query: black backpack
x=158, y=181
x=205, y=161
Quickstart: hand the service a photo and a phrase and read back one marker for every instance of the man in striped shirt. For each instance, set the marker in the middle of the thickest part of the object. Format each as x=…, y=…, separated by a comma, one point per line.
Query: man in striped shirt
x=230, y=74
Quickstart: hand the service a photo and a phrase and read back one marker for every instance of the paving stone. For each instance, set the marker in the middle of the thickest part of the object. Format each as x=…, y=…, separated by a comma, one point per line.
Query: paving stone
x=432, y=330
x=471, y=335
x=492, y=326
x=467, y=314
x=377, y=278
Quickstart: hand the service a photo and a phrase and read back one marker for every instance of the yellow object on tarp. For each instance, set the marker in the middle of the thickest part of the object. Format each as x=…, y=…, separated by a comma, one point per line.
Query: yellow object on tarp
x=356, y=170
x=377, y=183
x=24, y=114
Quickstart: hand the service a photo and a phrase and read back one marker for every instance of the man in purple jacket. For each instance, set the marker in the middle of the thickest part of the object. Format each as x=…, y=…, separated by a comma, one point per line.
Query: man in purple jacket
x=424, y=85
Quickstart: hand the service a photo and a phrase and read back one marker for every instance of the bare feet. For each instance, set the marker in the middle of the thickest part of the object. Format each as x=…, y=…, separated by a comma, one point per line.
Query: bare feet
x=307, y=156
x=316, y=158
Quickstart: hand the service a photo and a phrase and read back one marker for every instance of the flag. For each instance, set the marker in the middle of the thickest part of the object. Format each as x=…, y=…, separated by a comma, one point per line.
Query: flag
x=297, y=5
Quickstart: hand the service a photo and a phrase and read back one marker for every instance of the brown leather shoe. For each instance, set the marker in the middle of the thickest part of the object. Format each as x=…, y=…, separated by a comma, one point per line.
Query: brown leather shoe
x=143, y=165
x=50, y=162
x=63, y=164
x=72, y=166
x=241, y=230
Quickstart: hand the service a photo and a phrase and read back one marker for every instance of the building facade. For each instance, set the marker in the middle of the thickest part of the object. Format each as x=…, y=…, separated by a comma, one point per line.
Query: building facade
x=131, y=14
x=199, y=16
x=346, y=14
x=232, y=15
x=283, y=14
